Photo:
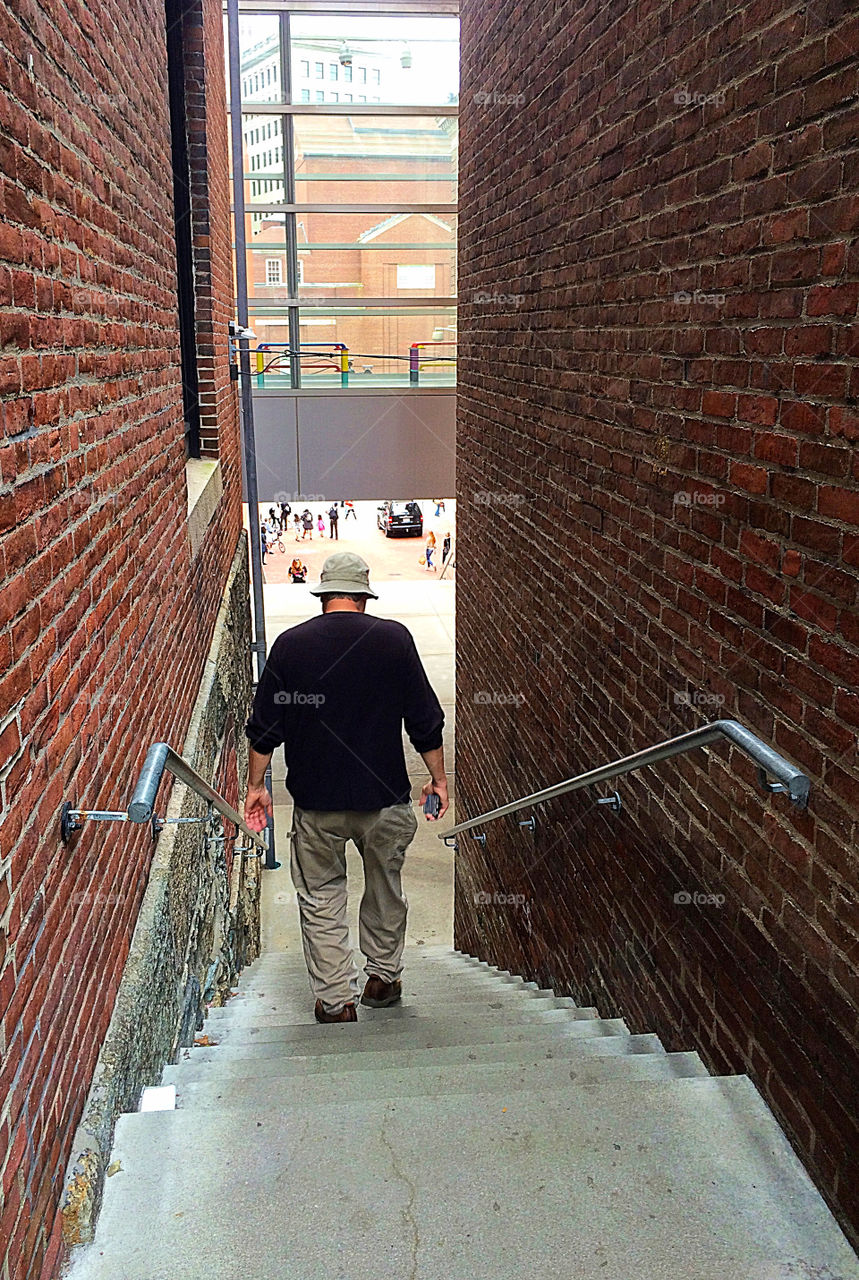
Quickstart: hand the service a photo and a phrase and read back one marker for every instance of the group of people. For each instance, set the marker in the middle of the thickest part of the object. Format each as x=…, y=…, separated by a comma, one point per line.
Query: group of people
x=278, y=522
x=426, y=560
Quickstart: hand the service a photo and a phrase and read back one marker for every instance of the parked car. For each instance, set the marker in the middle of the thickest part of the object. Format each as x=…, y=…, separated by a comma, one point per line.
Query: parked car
x=400, y=518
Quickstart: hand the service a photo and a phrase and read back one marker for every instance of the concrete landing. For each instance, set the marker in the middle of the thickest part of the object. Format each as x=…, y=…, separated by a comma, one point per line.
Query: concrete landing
x=687, y=1180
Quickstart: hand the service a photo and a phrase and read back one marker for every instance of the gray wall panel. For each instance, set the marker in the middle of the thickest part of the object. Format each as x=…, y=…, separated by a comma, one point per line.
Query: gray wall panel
x=276, y=430
x=356, y=446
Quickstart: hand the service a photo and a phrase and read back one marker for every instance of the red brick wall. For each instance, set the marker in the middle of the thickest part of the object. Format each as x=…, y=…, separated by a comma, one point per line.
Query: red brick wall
x=616, y=158
x=104, y=618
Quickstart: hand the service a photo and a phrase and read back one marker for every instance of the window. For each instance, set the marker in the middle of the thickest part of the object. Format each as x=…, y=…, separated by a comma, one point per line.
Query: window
x=412, y=276
x=314, y=263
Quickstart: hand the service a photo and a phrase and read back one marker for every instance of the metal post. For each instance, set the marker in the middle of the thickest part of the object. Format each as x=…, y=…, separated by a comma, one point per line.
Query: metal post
x=414, y=364
x=344, y=365
x=291, y=222
x=246, y=416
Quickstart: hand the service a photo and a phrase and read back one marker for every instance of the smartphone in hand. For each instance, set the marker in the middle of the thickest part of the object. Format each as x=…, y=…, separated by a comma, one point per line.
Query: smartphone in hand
x=432, y=804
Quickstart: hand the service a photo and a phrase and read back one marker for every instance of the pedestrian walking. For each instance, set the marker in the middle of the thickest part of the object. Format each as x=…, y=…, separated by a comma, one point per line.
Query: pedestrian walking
x=307, y=524
x=336, y=692
x=297, y=526
x=285, y=512
x=263, y=539
x=320, y=525
x=333, y=520
x=350, y=511
x=430, y=551
x=439, y=505
x=445, y=548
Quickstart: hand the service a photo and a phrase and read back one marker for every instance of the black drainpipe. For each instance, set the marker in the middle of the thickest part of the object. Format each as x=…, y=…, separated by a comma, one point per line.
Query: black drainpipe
x=175, y=10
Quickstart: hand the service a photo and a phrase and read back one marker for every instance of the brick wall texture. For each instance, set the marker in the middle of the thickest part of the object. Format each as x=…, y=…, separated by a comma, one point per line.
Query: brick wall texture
x=659, y=523
x=105, y=619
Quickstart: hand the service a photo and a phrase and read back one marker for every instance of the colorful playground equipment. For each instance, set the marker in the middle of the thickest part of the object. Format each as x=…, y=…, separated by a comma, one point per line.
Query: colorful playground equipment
x=321, y=357
x=336, y=358
x=416, y=364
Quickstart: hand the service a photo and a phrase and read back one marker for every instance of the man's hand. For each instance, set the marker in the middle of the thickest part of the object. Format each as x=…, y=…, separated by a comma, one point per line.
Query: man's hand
x=258, y=803
x=258, y=808
x=440, y=789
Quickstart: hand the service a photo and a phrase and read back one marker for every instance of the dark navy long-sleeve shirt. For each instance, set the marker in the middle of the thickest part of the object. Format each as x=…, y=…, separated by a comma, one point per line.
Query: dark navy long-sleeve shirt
x=336, y=692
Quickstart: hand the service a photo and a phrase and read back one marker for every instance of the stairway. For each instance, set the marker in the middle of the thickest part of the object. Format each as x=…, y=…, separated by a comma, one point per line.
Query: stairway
x=482, y=1129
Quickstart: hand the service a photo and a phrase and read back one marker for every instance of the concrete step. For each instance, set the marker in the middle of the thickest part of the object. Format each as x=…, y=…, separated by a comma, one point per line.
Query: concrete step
x=416, y=980
x=267, y=1012
x=355, y=1037
x=205, y=1065
x=296, y=1092
x=425, y=972
x=690, y=1179
x=389, y=1021
x=274, y=994
x=412, y=956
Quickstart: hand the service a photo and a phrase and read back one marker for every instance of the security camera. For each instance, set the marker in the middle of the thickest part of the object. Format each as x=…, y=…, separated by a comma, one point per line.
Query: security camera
x=243, y=334
x=345, y=55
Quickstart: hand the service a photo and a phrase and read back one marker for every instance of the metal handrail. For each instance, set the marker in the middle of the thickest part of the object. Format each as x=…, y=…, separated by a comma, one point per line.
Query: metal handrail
x=789, y=779
x=159, y=757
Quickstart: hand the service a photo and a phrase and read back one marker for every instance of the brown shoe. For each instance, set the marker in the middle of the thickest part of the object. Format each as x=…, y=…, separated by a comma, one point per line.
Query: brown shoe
x=378, y=994
x=347, y=1014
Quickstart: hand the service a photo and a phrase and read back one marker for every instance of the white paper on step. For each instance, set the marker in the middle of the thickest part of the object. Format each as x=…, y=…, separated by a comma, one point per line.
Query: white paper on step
x=159, y=1097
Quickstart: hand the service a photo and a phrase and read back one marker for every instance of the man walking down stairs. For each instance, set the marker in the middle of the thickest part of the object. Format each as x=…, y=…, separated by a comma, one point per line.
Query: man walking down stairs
x=336, y=692
x=478, y=1128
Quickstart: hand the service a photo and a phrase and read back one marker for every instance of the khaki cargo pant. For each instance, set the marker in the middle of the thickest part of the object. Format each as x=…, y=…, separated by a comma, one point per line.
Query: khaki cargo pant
x=318, y=860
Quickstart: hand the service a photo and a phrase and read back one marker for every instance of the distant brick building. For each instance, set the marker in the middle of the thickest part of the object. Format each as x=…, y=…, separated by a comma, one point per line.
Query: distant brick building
x=659, y=524
x=352, y=257
x=123, y=569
